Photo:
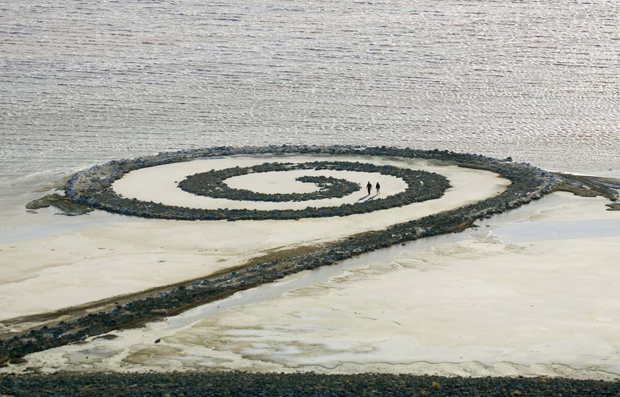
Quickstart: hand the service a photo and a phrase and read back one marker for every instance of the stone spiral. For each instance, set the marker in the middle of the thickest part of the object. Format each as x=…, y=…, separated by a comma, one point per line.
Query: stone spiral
x=93, y=187
x=421, y=186
x=212, y=183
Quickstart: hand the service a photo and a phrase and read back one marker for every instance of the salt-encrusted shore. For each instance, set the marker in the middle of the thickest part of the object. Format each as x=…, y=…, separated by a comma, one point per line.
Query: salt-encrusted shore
x=532, y=292
x=571, y=213
x=127, y=255
x=94, y=188
x=179, y=299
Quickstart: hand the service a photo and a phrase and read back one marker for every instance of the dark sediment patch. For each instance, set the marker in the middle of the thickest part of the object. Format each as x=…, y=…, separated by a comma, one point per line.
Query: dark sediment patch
x=298, y=384
x=590, y=186
x=613, y=207
x=66, y=205
x=528, y=183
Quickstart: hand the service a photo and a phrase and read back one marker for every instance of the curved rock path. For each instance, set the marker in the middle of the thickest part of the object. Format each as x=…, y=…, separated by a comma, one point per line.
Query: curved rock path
x=528, y=183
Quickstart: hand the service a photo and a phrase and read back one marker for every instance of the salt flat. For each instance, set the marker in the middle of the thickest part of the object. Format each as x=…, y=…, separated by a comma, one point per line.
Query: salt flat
x=62, y=270
x=487, y=301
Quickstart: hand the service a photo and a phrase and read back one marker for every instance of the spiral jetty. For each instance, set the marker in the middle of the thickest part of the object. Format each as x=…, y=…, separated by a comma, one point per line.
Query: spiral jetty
x=92, y=187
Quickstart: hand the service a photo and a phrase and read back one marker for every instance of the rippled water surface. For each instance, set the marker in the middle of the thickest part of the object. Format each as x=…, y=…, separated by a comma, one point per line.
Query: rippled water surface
x=83, y=82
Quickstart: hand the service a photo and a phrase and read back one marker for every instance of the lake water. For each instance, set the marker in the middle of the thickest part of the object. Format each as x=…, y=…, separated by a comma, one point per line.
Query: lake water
x=86, y=82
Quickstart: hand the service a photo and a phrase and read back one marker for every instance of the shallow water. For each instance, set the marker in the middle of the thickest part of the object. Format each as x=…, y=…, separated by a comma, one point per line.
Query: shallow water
x=86, y=82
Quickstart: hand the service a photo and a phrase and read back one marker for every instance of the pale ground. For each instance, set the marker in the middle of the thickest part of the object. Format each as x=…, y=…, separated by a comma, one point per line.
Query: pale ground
x=159, y=184
x=41, y=274
x=501, y=299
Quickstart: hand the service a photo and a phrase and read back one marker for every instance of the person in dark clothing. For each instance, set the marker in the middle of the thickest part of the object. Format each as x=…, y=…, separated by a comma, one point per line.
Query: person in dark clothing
x=369, y=187
x=378, y=187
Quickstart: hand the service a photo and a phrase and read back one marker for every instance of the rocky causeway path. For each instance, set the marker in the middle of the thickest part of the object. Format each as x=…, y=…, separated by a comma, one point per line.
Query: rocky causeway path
x=92, y=189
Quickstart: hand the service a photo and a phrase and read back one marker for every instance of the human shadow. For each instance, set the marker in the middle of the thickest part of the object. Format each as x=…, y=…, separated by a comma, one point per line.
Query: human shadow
x=368, y=197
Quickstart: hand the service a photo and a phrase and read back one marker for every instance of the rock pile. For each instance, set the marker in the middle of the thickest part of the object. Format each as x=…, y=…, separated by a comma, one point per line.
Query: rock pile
x=421, y=186
x=94, y=188
x=234, y=383
x=212, y=184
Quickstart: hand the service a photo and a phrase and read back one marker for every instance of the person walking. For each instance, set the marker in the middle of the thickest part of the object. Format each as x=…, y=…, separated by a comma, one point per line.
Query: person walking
x=378, y=187
x=369, y=187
